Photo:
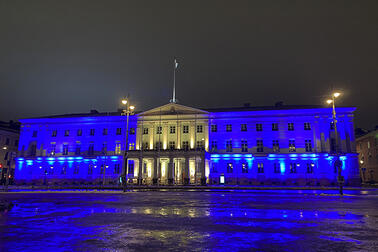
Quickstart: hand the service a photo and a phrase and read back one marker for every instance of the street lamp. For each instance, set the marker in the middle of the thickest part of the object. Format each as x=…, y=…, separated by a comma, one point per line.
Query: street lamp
x=127, y=110
x=337, y=162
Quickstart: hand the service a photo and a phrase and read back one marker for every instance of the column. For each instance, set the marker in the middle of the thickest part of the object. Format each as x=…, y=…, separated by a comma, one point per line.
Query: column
x=202, y=169
x=186, y=172
x=155, y=172
x=140, y=169
x=170, y=171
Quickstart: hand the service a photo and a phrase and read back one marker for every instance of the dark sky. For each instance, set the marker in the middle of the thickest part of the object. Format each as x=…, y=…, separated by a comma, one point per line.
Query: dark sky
x=72, y=56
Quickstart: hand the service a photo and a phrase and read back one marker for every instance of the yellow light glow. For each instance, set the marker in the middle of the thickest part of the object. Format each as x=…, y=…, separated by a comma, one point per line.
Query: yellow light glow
x=329, y=101
x=132, y=107
x=336, y=94
x=124, y=101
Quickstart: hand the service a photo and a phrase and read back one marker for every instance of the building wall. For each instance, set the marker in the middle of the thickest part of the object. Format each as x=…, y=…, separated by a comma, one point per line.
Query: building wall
x=8, y=151
x=250, y=165
x=367, y=147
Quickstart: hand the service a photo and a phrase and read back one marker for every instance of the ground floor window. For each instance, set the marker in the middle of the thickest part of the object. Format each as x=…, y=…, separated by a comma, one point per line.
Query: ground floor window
x=230, y=168
x=116, y=168
x=310, y=167
x=260, y=167
x=277, y=168
x=244, y=168
x=293, y=168
x=131, y=167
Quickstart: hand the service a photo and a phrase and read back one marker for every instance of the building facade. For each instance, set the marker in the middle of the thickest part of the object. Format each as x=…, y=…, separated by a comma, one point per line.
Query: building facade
x=176, y=144
x=367, y=147
x=9, y=135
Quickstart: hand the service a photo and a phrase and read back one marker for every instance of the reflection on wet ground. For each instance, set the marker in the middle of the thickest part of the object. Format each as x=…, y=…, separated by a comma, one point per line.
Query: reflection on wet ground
x=199, y=221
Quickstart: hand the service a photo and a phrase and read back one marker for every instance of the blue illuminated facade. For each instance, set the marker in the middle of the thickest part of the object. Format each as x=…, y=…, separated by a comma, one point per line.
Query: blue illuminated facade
x=175, y=144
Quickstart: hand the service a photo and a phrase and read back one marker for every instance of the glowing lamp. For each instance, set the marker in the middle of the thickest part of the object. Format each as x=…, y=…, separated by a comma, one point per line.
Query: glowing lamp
x=124, y=101
x=336, y=94
x=329, y=101
x=132, y=107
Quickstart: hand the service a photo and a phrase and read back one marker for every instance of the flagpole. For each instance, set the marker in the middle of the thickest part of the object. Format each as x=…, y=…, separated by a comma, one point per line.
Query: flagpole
x=174, y=82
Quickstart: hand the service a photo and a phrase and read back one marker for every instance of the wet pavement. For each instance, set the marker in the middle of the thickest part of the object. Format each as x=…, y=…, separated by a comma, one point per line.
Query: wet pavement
x=270, y=220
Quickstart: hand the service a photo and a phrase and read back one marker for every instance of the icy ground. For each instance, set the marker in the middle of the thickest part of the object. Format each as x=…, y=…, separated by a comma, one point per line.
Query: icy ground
x=191, y=221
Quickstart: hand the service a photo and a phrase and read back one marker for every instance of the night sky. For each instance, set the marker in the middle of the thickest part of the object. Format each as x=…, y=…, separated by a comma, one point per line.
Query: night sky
x=66, y=56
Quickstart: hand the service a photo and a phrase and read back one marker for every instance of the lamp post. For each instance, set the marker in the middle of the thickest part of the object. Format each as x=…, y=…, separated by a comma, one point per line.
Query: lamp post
x=337, y=163
x=126, y=111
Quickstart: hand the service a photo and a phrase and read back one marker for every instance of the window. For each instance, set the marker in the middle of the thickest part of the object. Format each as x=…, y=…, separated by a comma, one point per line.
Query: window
x=307, y=126
x=64, y=170
x=158, y=130
x=229, y=146
x=333, y=144
x=293, y=167
x=244, y=146
x=332, y=126
x=131, y=146
x=118, y=131
x=276, y=146
x=243, y=127
x=52, y=149
x=104, y=131
x=260, y=146
x=66, y=133
x=185, y=129
x=259, y=127
x=171, y=145
x=308, y=146
x=65, y=149
x=199, y=128
x=76, y=169
x=102, y=170
x=214, y=147
x=90, y=169
x=214, y=167
x=104, y=148
x=145, y=131
x=290, y=126
x=277, y=168
x=230, y=168
x=310, y=167
x=35, y=133
x=185, y=145
x=200, y=145
x=275, y=126
x=51, y=171
x=260, y=167
x=92, y=132
x=172, y=129
x=244, y=168
x=91, y=149
x=158, y=146
x=54, y=133
x=132, y=131
x=117, y=148
x=292, y=146
x=116, y=168
x=145, y=146
x=33, y=150
x=228, y=127
x=214, y=128
x=77, y=149
x=130, y=169
x=79, y=132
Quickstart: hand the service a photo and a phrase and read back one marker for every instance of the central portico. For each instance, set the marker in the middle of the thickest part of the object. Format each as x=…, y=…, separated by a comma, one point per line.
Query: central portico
x=171, y=146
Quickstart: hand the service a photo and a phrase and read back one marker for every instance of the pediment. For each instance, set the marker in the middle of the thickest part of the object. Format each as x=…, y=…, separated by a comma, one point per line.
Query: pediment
x=173, y=109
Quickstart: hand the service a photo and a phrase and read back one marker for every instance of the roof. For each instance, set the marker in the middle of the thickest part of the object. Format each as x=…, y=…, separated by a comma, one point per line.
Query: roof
x=261, y=108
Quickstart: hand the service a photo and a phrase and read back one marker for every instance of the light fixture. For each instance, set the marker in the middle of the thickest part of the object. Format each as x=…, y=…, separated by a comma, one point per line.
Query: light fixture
x=329, y=101
x=124, y=101
x=336, y=94
x=132, y=107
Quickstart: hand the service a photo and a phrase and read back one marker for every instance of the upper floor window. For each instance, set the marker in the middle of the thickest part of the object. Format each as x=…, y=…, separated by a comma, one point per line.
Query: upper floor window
x=172, y=129
x=244, y=168
x=54, y=133
x=230, y=168
x=131, y=146
x=132, y=131
x=104, y=131
x=77, y=149
x=244, y=146
x=185, y=145
x=66, y=133
x=276, y=146
x=243, y=127
x=118, y=148
x=91, y=149
x=260, y=146
x=199, y=128
x=200, y=145
x=92, y=132
x=145, y=146
x=145, y=131
x=229, y=146
x=260, y=167
x=292, y=146
x=52, y=149
x=274, y=126
x=228, y=127
x=79, y=132
x=158, y=130
x=214, y=128
x=214, y=146
x=35, y=133
x=185, y=129
x=65, y=149
x=104, y=148
x=172, y=145
x=118, y=131
x=259, y=127
x=308, y=146
x=290, y=126
x=307, y=126
x=158, y=145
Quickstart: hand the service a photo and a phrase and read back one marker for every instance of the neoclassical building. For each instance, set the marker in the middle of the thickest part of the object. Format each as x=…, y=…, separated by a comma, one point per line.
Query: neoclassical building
x=176, y=144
